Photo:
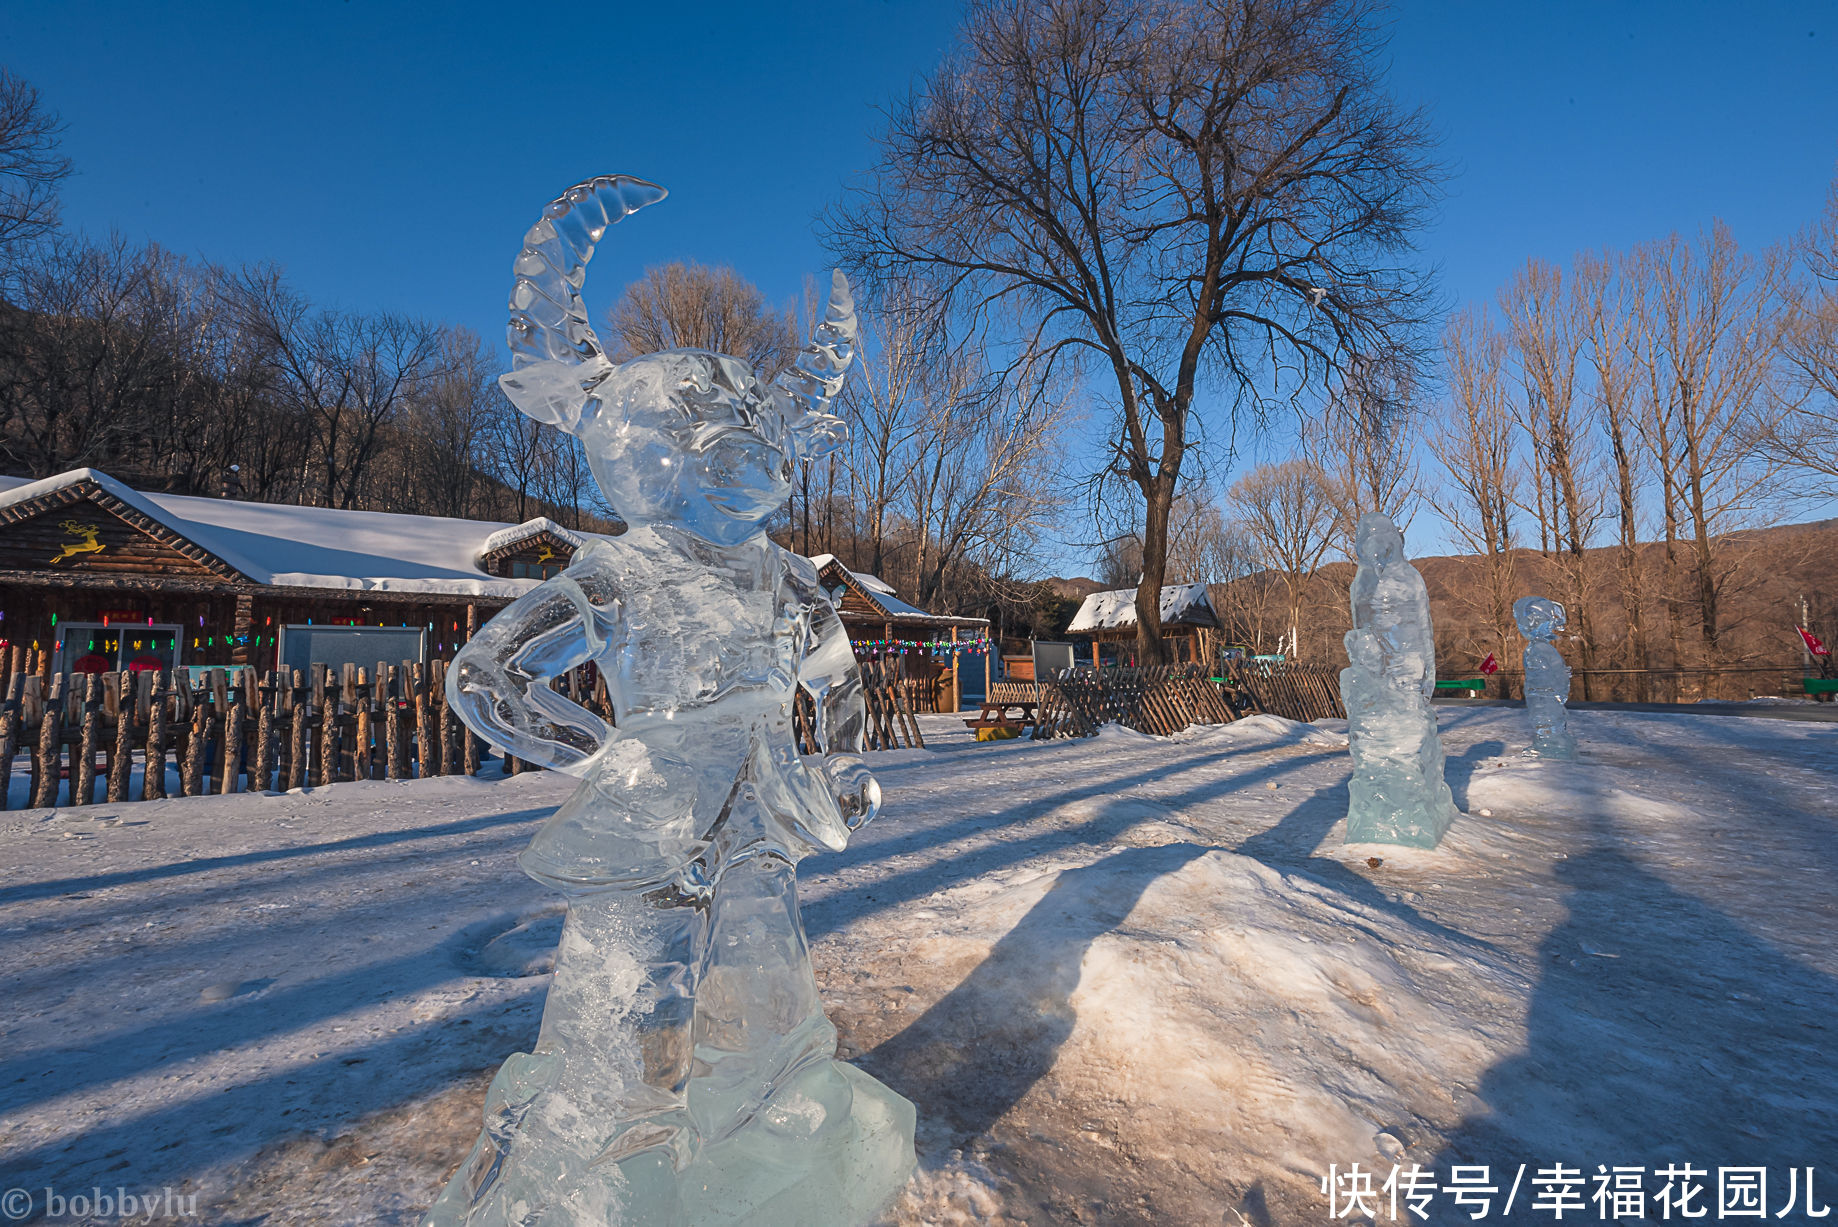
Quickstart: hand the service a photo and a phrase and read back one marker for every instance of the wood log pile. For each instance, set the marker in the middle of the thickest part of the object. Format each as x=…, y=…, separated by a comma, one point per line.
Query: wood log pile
x=1160, y=700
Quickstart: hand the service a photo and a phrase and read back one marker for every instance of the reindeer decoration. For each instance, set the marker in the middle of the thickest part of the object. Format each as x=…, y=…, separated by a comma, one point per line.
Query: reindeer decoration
x=86, y=545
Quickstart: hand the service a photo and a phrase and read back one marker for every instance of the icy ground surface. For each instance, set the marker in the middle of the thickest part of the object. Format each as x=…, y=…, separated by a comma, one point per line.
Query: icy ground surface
x=1125, y=980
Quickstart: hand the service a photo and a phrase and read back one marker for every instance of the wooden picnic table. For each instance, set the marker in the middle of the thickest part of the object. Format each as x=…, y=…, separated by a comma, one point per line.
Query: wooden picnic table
x=994, y=714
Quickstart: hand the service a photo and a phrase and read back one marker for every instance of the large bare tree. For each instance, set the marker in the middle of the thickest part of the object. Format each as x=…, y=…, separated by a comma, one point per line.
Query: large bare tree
x=1203, y=201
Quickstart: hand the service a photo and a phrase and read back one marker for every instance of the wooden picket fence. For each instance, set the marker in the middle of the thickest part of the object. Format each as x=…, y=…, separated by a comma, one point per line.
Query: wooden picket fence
x=1161, y=700
x=889, y=698
x=1293, y=689
x=234, y=731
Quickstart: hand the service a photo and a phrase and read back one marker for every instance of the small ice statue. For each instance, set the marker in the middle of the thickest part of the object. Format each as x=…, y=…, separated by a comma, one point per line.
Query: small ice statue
x=685, y=1073
x=1398, y=793
x=1547, y=677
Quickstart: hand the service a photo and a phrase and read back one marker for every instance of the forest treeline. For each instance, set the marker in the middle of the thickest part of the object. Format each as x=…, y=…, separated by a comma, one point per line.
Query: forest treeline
x=1608, y=433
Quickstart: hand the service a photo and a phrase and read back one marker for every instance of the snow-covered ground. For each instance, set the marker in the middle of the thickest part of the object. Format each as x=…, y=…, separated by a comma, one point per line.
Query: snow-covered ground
x=1125, y=980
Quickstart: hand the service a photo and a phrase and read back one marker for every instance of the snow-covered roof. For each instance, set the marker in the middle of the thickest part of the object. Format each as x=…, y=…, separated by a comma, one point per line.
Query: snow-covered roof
x=873, y=583
x=316, y=547
x=879, y=594
x=1116, y=609
x=506, y=538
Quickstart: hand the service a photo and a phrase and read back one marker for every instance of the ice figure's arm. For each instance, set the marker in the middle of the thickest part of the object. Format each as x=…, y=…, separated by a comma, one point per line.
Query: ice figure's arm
x=834, y=682
x=499, y=682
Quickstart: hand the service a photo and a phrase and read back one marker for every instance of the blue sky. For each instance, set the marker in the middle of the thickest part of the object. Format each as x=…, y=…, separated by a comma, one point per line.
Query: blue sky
x=391, y=155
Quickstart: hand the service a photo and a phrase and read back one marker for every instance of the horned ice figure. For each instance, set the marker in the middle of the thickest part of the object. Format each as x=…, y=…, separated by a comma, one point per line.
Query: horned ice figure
x=1547, y=676
x=1398, y=795
x=685, y=1071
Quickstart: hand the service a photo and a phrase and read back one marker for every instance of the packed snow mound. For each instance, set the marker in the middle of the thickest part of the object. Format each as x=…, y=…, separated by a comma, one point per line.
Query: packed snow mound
x=1261, y=729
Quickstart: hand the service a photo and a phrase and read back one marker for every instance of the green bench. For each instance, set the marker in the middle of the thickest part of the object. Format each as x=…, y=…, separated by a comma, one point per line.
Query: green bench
x=1470, y=686
x=1821, y=685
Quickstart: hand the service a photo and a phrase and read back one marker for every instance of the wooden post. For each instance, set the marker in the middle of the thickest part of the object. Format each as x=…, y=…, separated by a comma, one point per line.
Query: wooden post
x=957, y=682
x=328, y=726
x=298, y=735
x=395, y=764
x=360, y=748
x=50, y=744
x=379, y=706
x=83, y=778
x=223, y=762
x=261, y=769
x=235, y=717
x=426, y=752
x=121, y=764
x=191, y=775
x=153, y=773
x=242, y=627
x=9, y=727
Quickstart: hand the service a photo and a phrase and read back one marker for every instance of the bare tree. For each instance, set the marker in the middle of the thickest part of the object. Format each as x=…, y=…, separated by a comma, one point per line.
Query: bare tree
x=84, y=353
x=1363, y=443
x=348, y=374
x=1546, y=338
x=1287, y=510
x=1713, y=325
x=31, y=168
x=1475, y=443
x=692, y=306
x=1182, y=192
x=1608, y=343
x=975, y=488
x=885, y=400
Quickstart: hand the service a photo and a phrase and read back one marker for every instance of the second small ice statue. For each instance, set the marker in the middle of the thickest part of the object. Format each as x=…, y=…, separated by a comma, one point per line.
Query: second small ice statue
x=685, y=1072
x=1397, y=792
x=1547, y=676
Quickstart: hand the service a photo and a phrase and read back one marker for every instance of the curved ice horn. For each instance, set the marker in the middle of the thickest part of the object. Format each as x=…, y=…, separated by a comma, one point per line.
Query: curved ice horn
x=548, y=322
x=813, y=381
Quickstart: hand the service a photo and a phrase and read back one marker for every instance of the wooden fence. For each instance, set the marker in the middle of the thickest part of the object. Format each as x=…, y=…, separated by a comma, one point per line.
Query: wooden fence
x=1293, y=689
x=233, y=731
x=1161, y=700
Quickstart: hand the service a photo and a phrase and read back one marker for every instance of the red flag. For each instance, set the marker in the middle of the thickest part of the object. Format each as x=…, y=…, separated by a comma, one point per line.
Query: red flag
x=1812, y=642
x=1490, y=666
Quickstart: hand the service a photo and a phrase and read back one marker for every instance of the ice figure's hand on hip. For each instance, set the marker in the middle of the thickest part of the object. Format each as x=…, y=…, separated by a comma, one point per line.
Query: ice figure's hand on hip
x=857, y=792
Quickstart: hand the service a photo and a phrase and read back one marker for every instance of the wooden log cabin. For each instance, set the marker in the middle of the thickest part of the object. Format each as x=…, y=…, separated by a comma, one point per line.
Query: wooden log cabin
x=1189, y=624
x=97, y=577
x=929, y=649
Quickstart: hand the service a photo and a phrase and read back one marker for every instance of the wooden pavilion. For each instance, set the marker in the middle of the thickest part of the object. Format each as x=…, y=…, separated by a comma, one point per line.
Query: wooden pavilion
x=926, y=646
x=1188, y=623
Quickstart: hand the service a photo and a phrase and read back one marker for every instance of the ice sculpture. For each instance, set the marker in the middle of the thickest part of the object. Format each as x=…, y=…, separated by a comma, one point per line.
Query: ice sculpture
x=1547, y=676
x=685, y=1071
x=1398, y=793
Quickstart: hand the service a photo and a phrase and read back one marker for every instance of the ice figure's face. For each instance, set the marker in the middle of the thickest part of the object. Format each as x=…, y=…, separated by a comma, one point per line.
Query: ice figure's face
x=1538, y=617
x=694, y=439
x=1378, y=541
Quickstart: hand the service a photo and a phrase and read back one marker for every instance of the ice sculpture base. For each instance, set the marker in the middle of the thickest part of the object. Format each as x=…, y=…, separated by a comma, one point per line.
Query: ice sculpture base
x=767, y=1176
x=793, y=1165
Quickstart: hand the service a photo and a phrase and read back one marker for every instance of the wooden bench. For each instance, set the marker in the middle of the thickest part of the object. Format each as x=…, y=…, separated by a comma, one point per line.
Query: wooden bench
x=1469, y=686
